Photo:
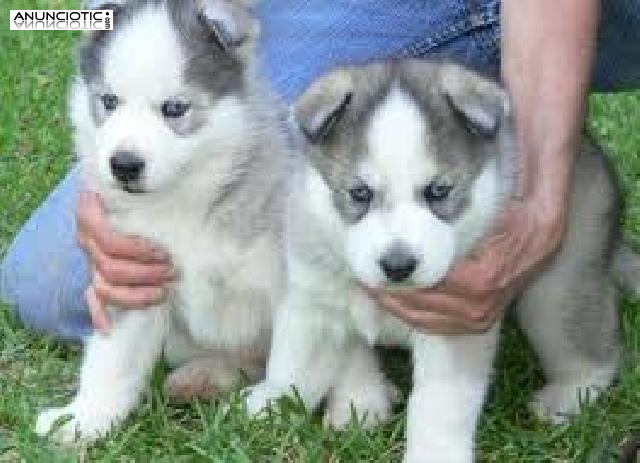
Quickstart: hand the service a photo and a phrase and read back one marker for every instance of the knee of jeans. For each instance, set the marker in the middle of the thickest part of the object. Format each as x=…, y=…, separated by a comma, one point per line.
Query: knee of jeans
x=44, y=272
x=47, y=293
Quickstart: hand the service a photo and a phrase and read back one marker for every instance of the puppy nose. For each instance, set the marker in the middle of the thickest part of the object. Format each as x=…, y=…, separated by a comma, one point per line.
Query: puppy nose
x=126, y=166
x=398, y=265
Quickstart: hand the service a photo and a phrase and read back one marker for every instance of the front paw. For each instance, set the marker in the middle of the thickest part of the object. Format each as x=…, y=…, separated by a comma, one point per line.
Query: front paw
x=558, y=402
x=79, y=427
x=262, y=396
x=426, y=455
x=370, y=406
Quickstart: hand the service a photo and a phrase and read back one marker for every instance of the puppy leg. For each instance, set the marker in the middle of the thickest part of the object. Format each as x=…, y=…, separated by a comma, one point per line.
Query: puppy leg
x=572, y=321
x=362, y=388
x=113, y=375
x=207, y=377
x=451, y=375
x=306, y=354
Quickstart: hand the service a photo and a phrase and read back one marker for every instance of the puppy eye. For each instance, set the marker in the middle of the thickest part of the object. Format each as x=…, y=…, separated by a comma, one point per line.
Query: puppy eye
x=174, y=109
x=109, y=101
x=361, y=194
x=436, y=192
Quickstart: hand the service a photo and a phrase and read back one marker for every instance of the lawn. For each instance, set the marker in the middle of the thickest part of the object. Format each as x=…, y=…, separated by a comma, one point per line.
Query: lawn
x=34, y=371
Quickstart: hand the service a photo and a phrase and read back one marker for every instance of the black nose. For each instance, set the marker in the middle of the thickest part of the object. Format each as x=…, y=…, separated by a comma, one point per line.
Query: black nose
x=398, y=265
x=126, y=166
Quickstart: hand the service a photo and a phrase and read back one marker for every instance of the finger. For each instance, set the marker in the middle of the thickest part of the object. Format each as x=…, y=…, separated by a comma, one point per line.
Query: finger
x=473, y=314
x=93, y=226
x=426, y=321
x=120, y=272
x=491, y=270
x=129, y=297
x=472, y=278
x=99, y=317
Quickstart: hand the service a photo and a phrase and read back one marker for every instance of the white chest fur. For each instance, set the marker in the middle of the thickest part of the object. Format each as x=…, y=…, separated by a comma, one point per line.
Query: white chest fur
x=225, y=287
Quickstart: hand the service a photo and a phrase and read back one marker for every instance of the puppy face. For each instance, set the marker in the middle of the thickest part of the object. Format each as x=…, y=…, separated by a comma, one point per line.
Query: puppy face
x=160, y=91
x=408, y=152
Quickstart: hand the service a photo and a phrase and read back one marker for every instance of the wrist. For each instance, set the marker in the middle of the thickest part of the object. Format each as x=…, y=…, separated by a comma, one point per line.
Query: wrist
x=549, y=217
x=548, y=175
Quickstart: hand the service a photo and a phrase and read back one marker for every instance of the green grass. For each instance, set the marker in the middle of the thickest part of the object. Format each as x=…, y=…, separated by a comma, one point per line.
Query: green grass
x=34, y=371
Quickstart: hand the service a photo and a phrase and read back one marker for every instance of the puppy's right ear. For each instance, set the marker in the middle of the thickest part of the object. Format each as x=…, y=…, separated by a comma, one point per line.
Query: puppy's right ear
x=321, y=108
x=228, y=23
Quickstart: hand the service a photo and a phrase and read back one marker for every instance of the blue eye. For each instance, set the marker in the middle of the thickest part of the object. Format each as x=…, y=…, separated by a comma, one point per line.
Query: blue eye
x=174, y=109
x=109, y=101
x=361, y=194
x=436, y=192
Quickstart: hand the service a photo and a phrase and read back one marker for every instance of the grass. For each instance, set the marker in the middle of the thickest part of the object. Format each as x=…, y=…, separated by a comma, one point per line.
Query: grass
x=35, y=371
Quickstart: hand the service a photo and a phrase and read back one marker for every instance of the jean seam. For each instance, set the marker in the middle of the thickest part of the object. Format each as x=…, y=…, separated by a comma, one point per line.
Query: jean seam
x=464, y=22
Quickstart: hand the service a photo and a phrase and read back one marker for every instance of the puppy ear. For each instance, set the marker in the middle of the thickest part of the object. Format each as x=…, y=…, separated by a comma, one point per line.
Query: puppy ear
x=319, y=110
x=480, y=104
x=229, y=23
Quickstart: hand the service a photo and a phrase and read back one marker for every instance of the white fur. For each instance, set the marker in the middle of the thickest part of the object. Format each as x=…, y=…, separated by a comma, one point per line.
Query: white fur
x=221, y=306
x=320, y=330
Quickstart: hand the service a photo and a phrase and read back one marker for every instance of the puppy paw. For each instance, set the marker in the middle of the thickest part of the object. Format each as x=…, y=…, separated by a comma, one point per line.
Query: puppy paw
x=78, y=427
x=191, y=382
x=260, y=397
x=557, y=402
x=371, y=406
x=439, y=447
x=439, y=456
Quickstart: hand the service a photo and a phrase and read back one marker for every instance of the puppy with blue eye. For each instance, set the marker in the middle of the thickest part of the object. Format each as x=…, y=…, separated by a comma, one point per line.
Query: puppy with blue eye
x=407, y=166
x=175, y=131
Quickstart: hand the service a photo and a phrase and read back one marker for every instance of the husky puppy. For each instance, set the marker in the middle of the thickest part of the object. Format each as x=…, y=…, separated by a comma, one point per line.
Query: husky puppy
x=407, y=167
x=176, y=133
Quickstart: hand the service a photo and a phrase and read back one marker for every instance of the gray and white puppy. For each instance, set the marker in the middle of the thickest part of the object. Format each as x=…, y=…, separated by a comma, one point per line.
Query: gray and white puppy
x=407, y=167
x=176, y=133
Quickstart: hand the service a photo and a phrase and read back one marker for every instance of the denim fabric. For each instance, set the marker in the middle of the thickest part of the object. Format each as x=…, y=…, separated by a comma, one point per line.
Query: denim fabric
x=618, y=60
x=44, y=272
x=304, y=39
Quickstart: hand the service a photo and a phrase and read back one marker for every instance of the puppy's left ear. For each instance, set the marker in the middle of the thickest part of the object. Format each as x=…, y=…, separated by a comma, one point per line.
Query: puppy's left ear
x=481, y=104
x=321, y=108
x=230, y=23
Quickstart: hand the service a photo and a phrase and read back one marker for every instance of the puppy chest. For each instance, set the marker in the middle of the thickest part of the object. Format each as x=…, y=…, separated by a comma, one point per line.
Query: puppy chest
x=225, y=296
x=373, y=323
x=219, y=313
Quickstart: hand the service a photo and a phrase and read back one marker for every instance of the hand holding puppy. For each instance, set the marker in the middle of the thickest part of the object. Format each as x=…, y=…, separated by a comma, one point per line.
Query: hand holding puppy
x=477, y=290
x=128, y=271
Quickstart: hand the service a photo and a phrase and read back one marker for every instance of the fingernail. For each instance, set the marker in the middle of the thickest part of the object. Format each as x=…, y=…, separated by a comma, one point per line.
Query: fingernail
x=170, y=274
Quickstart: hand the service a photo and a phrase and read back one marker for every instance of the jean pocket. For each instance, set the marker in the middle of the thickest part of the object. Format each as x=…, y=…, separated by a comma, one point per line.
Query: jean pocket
x=477, y=18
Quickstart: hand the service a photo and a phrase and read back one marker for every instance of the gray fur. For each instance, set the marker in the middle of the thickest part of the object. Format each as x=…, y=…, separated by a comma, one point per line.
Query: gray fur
x=575, y=297
x=456, y=105
x=214, y=46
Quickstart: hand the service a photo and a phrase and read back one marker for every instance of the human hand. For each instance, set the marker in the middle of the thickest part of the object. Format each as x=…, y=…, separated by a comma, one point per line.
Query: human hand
x=476, y=290
x=127, y=271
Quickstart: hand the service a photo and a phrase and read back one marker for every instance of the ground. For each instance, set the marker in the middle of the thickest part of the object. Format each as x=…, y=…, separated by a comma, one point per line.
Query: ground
x=35, y=371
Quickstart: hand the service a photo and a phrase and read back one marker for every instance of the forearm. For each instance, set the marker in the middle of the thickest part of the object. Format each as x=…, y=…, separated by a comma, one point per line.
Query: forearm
x=548, y=49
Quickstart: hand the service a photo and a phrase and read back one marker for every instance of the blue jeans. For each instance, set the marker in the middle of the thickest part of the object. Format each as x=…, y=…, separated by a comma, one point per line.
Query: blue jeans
x=44, y=272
